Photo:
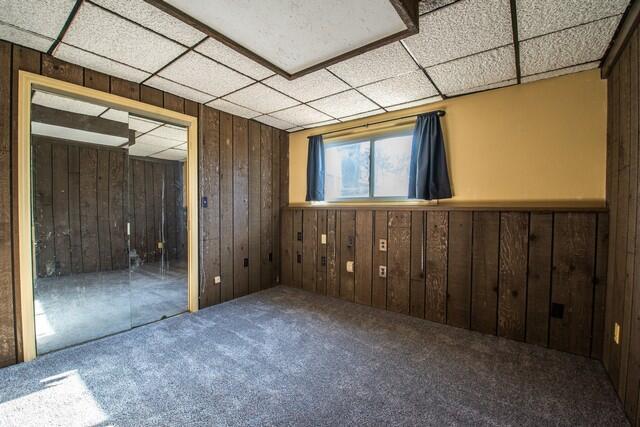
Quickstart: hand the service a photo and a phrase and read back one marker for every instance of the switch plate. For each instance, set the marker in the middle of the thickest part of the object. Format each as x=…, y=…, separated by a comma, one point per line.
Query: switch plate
x=383, y=245
x=350, y=266
x=382, y=271
x=323, y=239
x=616, y=333
x=217, y=280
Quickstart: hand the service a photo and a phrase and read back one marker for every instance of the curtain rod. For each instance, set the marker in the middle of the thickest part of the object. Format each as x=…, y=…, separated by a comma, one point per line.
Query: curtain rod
x=439, y=113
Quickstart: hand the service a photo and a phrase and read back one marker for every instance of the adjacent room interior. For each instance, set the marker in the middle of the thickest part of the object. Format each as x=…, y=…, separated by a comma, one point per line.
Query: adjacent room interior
x=286, y=212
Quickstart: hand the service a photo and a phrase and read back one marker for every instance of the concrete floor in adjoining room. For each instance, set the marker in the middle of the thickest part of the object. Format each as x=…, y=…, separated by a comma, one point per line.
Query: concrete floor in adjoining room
x=80, y=307
x=287, y=357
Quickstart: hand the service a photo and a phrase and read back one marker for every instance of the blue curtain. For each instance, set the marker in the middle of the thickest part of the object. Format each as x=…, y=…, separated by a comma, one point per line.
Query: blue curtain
x=428, y=173
x=315, y=169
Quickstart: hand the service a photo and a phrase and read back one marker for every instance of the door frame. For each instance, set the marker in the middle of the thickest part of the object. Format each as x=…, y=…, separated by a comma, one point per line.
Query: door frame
x=26, y=83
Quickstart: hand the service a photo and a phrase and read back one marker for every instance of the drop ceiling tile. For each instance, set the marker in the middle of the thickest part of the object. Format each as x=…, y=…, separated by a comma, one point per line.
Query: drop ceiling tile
x=178, y=89
x=142, y=124
x=155, y=19
x=196, y=71
x=561, y=72
x=24, y=38
x=311, y=86
x=65, y=103
x=116, y=115
x=181, y=147
x=295, y=129
x=261, y=98
x=171, y=154
x=102, y=32
x=344, y=104
x=426, y=6
x=474, y=71
x=176, y=133
x=98, y=63
x=142, y=150
x=224, y=54
x=496, y=85
x=414, y=103
x=362, y=115
x=573, y=46
x=44, y=17
x=464, y=28
x=325, y=123
x=538, y=17
x=405, y=88
x=301, y=115
x=231, y=108
x=273, y=122
x=379, y=64
x=157, y=141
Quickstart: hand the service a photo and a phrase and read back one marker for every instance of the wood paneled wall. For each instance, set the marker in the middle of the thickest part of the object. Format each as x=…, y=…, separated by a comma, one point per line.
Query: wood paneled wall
x=622, y=360
x=244, y=191
x=82, y=206
x=533, y=276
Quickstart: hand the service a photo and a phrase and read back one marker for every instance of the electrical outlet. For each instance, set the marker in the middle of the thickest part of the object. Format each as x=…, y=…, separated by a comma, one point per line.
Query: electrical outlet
x=160, y=245
x=350, y=266
x=217, y=280
x=383, y=245
x=382, y=271
x=323, y=239
x=616, y=333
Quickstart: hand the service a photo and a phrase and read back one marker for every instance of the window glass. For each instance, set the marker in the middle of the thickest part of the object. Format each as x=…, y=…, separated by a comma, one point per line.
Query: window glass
x=391, y=166
x=347, y=170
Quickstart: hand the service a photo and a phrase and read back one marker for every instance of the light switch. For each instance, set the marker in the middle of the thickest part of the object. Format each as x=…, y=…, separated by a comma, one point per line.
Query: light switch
x=383, y=245
x=323, y=239
x=217, y=280
x=350, y=266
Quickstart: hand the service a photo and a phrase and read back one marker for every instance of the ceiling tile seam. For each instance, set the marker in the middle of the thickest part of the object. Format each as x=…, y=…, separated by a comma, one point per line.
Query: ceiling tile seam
x=486, y=89
x=413, y=58
x=189, y=49
x=102, y=56
x=237, y=105
x=24, y=30
x=438, y=8
x=223, y=64
x=516, y=41
x=65, y=27
x=415, y=100
x=572, y=27
x=354, y=88
x=347, y=119
x=469, y=55
x=150, y=130
x=564, y=68
x=137, y=23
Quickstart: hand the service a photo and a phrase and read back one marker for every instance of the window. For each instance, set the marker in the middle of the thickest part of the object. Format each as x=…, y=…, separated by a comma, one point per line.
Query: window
x=373, y=168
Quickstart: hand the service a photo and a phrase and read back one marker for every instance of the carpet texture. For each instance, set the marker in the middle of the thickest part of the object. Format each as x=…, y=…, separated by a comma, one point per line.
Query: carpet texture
x=288, y=357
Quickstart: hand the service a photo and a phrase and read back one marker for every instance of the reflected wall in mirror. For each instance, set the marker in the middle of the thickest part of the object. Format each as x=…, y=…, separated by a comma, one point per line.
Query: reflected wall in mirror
x=109, y=219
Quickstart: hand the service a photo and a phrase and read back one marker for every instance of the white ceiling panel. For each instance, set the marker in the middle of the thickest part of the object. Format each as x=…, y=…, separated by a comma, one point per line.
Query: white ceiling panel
x=44, y=17
x=181, y=147
x=311, y=86
x=474, y=71
x=102, y=32
x=24, y=38
x=490, y=86
x=176, y=133
x=65, y=103
x=197, y=71
x=224, y=54
x=178, y=89
x=157, y=141
x=116, y=115
x=325, y=123
x=143, y=150
x=294, y=34
x=143, y=125
x=426, y=6
x=231, y=108
x=76, y=134
x=261, y=98
x=295, y=129
x=569, y=47
x=153, y=18
x=464, y=28
x=561, y=72
x=98, y=63
x=301, y=115
x=344, y=104
x=405, y=88
x=538, y=17
x=379, y=64
x=276, y=123
x=362, y=115
x=415, y=103
x=171, y=154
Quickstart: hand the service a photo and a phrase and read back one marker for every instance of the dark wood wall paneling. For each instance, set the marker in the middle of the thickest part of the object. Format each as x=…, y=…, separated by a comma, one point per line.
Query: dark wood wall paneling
x=494, y=272
x=243, y=171
x=622, y=360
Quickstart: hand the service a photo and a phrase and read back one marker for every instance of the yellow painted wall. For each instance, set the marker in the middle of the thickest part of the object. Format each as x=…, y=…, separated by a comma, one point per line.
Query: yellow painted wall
x=537, y=143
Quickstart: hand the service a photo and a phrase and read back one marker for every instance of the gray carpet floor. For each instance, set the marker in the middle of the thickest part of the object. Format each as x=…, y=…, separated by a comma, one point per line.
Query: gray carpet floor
x=288, y=357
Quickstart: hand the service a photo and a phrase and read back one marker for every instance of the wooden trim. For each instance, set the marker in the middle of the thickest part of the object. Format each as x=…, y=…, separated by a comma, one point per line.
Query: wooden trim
x=621, y=39
x=407, y=10
x=430, y=206
x=26, y=82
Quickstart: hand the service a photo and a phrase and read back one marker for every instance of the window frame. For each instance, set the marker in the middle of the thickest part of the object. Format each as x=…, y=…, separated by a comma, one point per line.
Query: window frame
x=405, y=131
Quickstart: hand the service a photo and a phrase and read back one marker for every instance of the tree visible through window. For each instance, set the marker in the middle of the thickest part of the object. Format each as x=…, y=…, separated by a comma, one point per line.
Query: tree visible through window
x=373, y=168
